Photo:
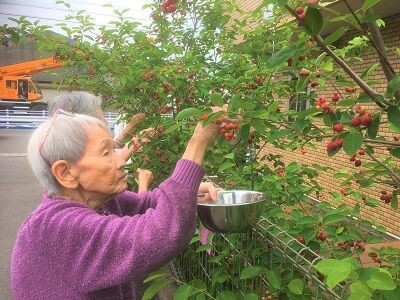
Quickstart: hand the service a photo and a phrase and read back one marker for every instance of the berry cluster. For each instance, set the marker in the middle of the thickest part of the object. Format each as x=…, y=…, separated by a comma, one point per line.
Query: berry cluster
x=321, y=235
x=321, y=103
x=387, y=198
x=362, y=118
x=357, y=161
x=375, y=257
x=334, y=145
x=358, y=245
x=226, y=129
x=168, y=6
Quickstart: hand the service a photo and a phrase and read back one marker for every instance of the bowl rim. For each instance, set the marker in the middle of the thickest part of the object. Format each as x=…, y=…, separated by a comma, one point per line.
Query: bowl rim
x=211, y=204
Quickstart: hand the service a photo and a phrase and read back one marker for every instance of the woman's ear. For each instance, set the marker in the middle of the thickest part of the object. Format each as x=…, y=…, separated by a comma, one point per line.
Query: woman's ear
x=66, y=177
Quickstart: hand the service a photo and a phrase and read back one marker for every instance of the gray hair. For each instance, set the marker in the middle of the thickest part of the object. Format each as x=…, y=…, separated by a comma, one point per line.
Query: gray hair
x=62, y=137
x=77, y=102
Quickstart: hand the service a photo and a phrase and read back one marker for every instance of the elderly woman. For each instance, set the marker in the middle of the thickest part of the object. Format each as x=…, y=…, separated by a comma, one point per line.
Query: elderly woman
x=88, y=104
x=90, y=238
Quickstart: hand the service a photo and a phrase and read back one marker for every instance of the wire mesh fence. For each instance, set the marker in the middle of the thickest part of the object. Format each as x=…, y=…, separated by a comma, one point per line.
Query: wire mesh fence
x=263, y=262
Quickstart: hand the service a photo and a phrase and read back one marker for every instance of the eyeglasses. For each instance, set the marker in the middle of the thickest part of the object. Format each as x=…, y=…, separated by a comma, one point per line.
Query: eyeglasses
x=53, y=118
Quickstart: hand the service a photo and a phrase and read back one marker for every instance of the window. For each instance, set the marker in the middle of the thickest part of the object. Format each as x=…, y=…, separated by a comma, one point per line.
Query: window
x=31, y=88
x=11, y=84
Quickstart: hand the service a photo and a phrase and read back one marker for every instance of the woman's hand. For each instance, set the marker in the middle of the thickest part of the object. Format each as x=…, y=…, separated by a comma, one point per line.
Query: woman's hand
x=202, y=137
x=209, y=133
x=208, y=192
x=145, y=177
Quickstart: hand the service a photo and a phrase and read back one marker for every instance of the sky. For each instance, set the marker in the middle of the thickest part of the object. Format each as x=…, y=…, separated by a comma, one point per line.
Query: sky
x=50, y=13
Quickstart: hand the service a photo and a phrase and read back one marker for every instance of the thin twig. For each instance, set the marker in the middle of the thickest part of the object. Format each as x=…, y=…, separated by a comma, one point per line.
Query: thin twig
x=394, y=176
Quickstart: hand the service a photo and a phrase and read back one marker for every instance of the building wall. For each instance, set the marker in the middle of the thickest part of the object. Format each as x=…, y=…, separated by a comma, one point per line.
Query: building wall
x=384, y=214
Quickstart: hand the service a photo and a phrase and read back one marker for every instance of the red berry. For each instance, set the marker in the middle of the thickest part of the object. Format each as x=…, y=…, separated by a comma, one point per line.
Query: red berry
x=325, y=106
x=361, y=152
x=353, y=158
x=171, y=8
x=339, y=142
x=300, y=239
x=332, y=146
x=314, y=84
x=228, y=135
x=227, y=126
x=335, y=97
x=304, y=73
x=312, y=2
x=366, y=119
x=222, y=130
x=302, y=17
x=318, y=75
x=338, y=127
x=321, y=100
x=218, y=121
x=357, y=163
x=234, y=126
x=299, y=10
x=356, y=121
x=204, y=117
x=383, y=192
x=350, y=90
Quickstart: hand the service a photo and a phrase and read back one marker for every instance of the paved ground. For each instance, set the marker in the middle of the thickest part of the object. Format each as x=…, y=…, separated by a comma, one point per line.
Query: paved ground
x=20, y=193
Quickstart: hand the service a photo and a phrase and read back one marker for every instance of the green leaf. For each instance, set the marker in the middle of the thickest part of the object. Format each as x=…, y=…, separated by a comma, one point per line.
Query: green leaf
x=184, y=292
x=360, y=291
x=381, y=280
x=327, y=66
x=226, y=165
x=250, y=297
x=369, y=3
x=173, y=127
x=394, y=203
x=333, y=218
x=154, y=275
x=280, y=57
x=394, y=115
x=187, y=113
x=393, y=86
x=296, y=286
x=226, y=295
x=395, y=152
x=258, y=125
x=368, y=71
x=372, y=202
x=216, y=99
x=352, y=142
x=274, y=278
x=336, y=35
x=314, y=22
x=374, y=127
x=250, y=272
x=335, y=270
x=203, y=248
x=153, y=289
x=230, y=156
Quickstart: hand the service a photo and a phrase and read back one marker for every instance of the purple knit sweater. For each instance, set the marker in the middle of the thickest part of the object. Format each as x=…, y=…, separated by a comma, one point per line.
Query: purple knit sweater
x=65, y=250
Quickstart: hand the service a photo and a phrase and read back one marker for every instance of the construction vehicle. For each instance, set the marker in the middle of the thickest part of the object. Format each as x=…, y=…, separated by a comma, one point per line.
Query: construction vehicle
x=17, y=88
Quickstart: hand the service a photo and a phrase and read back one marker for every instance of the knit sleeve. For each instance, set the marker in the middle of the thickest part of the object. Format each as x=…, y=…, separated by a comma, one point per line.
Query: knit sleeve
x=103, y=251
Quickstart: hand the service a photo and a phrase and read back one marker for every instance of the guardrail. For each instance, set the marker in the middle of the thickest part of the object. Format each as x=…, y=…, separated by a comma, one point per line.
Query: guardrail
x=30, y=119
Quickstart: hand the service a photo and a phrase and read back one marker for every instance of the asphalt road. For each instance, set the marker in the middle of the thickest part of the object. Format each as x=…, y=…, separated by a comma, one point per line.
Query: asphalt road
x=20, y=193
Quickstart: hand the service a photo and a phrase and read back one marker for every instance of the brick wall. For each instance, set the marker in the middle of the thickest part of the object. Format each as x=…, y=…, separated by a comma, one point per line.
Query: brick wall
x=384, y=214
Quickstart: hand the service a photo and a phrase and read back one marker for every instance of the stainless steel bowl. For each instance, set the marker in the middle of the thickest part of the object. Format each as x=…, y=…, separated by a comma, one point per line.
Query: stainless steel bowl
x=234, y=211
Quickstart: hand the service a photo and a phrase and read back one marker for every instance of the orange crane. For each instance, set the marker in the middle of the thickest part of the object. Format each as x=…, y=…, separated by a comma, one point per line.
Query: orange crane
x=18, y=89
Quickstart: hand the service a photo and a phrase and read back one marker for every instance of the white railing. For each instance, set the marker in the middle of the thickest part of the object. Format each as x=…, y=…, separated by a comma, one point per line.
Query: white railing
x=32, y=119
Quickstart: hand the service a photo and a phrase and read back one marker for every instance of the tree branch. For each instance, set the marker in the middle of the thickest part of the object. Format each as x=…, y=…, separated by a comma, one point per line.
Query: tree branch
x=367, y=89
x=394, y=176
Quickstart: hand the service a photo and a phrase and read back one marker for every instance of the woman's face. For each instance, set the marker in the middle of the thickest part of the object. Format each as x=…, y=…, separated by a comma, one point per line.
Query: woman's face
x=100, y=171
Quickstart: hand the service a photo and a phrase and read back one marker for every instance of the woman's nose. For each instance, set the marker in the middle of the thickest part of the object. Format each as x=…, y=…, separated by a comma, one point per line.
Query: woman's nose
x=120, y=162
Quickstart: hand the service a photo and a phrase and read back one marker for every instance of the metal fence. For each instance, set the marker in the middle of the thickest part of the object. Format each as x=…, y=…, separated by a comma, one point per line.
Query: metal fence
x=31, y=119
x=271, y=248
